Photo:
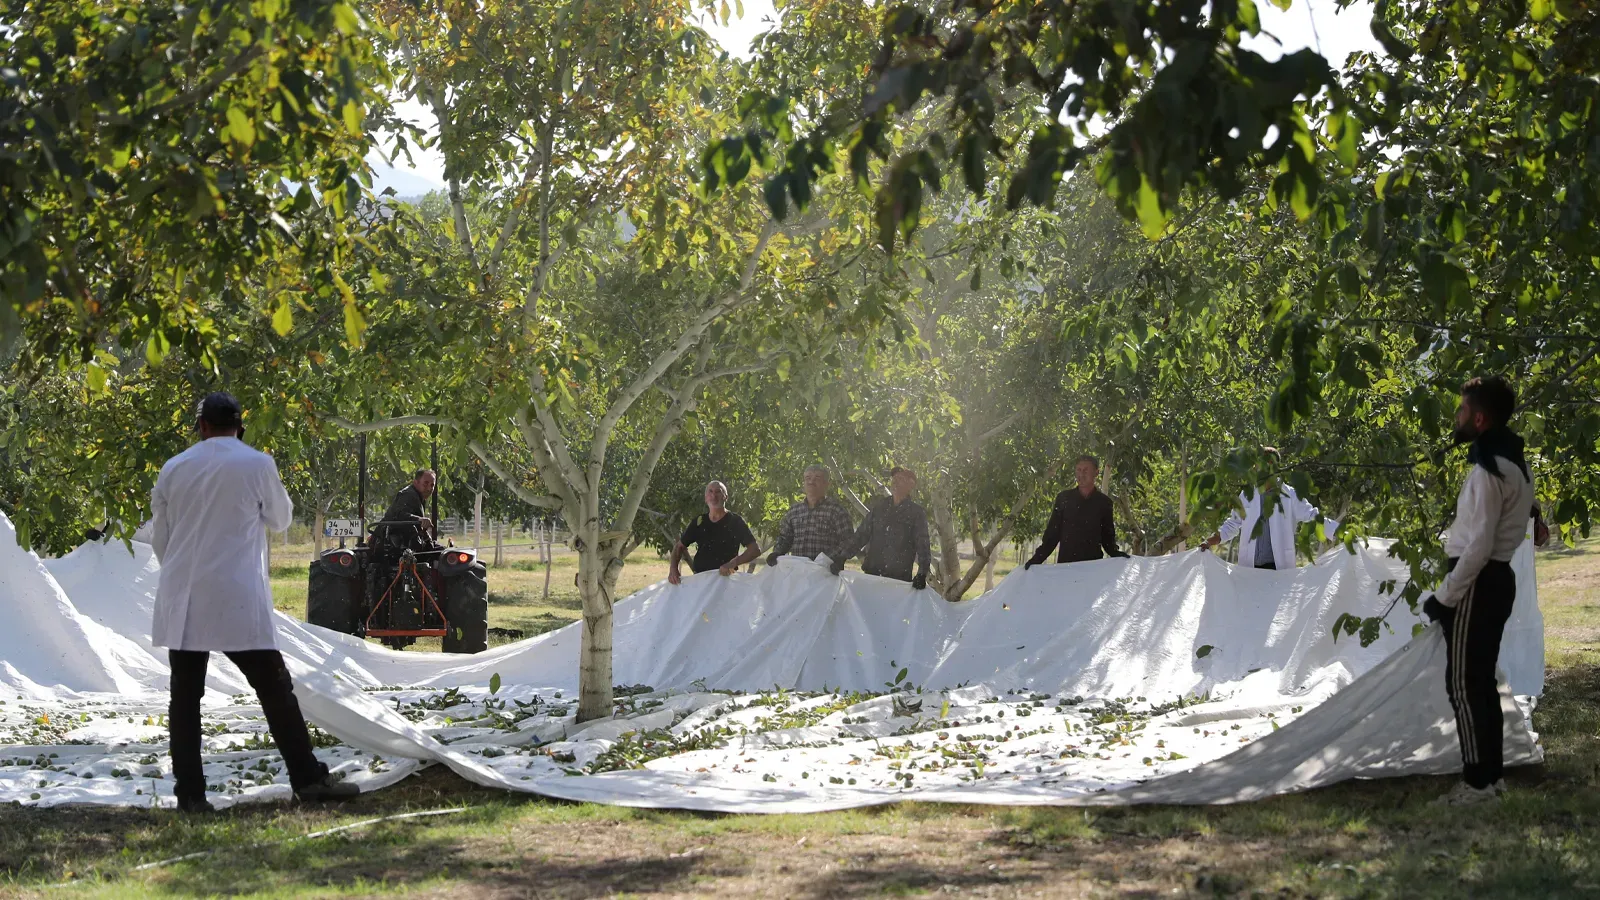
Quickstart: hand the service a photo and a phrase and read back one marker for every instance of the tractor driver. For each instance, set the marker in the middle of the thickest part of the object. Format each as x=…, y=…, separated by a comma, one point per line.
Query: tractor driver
x=410, y=505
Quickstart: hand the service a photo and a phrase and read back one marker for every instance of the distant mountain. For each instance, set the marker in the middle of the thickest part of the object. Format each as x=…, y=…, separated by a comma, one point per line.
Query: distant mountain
x=407, y=185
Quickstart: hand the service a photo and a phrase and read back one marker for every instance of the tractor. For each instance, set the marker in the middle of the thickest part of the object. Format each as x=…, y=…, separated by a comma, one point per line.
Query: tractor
x=398, y=583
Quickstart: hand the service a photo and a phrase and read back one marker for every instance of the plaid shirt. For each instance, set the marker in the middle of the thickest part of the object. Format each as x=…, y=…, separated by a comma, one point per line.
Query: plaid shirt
x=807, y=530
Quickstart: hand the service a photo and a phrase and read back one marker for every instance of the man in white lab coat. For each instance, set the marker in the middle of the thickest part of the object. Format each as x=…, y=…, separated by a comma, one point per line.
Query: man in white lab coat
x=212, y=506
x=1273, y=547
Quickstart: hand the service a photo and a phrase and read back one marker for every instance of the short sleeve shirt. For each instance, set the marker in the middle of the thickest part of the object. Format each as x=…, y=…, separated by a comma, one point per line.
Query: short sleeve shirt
x=716, y=543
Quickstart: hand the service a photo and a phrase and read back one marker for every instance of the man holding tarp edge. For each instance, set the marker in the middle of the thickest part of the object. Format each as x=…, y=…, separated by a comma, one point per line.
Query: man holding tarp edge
x=1081, y=521
x=1474, y=600
x=717, y=538
x=211, y=509
x=894, y=534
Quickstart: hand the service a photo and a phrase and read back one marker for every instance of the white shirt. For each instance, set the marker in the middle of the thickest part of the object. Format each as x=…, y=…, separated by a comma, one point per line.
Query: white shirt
x=213, y=504
x=1280, y=526
x=1491, y=522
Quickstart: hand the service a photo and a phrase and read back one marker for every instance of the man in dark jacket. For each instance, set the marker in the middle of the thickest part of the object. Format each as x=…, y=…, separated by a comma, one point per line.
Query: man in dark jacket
x=894, y=533
x=1080, y=522
x=411, y=505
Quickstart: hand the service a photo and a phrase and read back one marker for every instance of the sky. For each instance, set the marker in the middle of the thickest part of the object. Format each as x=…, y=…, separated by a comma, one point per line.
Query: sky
x=1318, y=24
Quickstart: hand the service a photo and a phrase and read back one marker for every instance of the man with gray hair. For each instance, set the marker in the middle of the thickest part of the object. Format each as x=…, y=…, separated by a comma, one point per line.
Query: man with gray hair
x=716, y=536
x=815, y=525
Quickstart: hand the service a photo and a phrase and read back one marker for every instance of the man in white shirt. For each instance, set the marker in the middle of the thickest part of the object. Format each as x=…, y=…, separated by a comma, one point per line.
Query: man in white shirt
x=1273, y=547
x=212, y=506
x=1474, y=600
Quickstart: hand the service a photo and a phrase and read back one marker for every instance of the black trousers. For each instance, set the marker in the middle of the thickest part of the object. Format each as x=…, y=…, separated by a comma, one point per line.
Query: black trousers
x=1268, y=565
x=265, y=671
x=1472, y=633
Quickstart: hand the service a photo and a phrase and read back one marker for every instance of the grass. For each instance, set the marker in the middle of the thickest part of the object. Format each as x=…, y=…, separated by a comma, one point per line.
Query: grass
x=1358, y=839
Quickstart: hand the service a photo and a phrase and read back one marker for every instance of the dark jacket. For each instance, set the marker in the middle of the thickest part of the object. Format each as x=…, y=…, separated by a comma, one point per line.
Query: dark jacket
x=894, y=535
x=1081, y=526
x=407, y=504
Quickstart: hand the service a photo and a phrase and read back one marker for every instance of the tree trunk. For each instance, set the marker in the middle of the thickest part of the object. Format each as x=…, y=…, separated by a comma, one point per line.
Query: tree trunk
x=547, y=549
x=1183, y=495
x=499, y=544
x=597, y=578
x=988, y=573
x=318, y=524
x=477, y=522
x=949, y=571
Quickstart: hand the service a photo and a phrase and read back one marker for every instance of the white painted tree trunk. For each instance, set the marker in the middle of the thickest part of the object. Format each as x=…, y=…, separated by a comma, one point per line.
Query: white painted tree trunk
x=597, y=579
x=318, y=524
x=499, y=543
x=988, y=572
x=547, y=535
x=477, y=522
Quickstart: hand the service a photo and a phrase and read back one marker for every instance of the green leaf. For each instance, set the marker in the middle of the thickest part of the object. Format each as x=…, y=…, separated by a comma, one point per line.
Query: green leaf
x=494, y=683
x=96, y=377
x=352, y=117
x=1152, y=218
x=156, y=348
x=1382, y=185
x=283, y=318
x=240, y=128
x=1204, y=651
x=901, y=675
x=1541, y=9
x=783, y=368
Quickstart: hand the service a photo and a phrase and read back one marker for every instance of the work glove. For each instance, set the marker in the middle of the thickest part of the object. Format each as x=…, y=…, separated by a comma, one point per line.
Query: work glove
x=1122, y=554
x=773, y=559
x=836, y=566
x=919, y=582
x=1027, y=565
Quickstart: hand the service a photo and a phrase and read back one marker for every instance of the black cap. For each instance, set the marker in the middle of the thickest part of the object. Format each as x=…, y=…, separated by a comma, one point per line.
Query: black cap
x=220, y=410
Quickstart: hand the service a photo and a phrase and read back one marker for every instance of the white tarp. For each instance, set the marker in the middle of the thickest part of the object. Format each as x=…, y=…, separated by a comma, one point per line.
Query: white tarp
x=1169, y=679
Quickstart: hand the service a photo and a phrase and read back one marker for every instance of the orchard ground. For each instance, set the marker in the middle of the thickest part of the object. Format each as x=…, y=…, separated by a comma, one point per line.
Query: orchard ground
x=1358, y=839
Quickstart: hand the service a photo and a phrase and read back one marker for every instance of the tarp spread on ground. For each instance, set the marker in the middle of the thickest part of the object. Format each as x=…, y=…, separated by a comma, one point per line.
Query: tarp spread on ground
x=1174, y=679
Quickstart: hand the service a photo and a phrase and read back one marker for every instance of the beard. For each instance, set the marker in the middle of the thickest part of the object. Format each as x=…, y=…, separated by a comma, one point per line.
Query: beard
x=1464, y=434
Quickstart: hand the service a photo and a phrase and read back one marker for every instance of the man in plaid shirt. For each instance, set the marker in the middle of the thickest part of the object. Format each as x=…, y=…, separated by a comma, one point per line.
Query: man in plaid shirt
x=816, y=525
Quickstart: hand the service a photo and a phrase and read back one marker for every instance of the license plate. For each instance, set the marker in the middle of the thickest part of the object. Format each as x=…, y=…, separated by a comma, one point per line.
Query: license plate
x=341, y=528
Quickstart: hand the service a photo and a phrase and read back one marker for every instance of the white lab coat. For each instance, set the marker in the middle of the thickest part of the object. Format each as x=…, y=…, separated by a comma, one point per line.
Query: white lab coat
x=1291, y=512
x=213, y=504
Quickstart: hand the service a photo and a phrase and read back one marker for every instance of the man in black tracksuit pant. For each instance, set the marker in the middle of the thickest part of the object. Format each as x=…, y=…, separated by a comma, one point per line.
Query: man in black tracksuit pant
x=1474, y=600
x=894, y=533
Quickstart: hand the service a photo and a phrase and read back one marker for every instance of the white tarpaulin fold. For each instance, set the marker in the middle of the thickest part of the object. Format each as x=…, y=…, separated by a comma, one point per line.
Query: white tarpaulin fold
x=1174, y=679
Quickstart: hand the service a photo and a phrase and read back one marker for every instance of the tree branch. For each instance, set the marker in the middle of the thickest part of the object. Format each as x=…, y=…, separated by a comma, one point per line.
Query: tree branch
x=201, y=91
x=667, y=358
x=551, y=454
x=956, y=591
x=381, y=424
x=523, y=494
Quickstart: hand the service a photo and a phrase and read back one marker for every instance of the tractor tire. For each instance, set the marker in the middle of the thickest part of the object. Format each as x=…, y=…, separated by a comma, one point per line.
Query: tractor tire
x=332, y=601
x=466, y=605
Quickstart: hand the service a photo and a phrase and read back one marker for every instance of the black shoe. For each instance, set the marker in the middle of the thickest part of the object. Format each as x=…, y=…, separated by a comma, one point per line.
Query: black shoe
x=202, y=805
x=326, y=791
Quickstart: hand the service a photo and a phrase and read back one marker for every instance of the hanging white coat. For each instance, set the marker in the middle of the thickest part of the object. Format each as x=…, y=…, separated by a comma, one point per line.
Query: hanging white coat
x=1282, y=523
x=213, y=505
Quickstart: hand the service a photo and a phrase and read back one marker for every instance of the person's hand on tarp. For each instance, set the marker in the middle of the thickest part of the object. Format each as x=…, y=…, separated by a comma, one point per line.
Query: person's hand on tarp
x=920, y=582
x=835, y=566
x=773, y=559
